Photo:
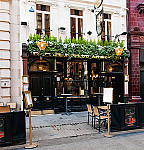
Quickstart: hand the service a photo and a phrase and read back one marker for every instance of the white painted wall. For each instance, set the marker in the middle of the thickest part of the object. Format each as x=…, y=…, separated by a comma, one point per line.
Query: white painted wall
x=12, y=34
x=60, y=16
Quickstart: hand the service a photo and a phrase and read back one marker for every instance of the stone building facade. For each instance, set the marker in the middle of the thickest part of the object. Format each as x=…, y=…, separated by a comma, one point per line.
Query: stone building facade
x=135, y=28
x=10, y=63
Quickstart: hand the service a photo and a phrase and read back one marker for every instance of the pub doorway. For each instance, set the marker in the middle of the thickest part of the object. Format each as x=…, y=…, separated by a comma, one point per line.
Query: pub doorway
x=41, y=82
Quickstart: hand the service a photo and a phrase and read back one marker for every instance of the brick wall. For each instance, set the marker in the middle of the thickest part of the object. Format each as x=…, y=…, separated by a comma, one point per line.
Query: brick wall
x=135, y=28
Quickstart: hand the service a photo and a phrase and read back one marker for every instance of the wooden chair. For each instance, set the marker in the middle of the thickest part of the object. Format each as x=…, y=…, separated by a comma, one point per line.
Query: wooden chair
x=13, y=105
x=4, y=109
x=99, y=117
x=1, y=104
x=90, y=113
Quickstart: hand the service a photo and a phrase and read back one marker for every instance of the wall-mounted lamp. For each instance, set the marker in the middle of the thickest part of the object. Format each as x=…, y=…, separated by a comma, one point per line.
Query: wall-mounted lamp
x=89, y=32
x=62, y=28
x=117, y=35
x=24, y=23
x=119, y=50
x=41, y=44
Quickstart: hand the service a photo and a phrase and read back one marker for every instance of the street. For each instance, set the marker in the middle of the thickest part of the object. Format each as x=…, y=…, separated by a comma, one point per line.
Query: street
x=62, y=132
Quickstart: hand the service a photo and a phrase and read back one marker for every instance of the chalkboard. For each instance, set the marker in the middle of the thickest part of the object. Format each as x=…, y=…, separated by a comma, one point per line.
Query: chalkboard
x=108, y=95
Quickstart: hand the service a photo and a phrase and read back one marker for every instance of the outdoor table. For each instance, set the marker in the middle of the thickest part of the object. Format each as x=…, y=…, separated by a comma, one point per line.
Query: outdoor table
x=99, y=95
x=66, y=95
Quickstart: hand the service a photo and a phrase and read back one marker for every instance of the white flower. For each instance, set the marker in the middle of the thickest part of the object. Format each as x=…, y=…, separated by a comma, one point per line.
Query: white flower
x=72, y=44
x=65, y=45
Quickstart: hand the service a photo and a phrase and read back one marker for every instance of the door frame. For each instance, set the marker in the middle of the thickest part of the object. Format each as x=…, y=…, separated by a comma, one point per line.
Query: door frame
x=42, y=99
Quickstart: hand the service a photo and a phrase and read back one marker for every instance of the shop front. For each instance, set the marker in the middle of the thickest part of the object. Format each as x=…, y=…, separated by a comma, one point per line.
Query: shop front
x=74, y=67
x=82, y=77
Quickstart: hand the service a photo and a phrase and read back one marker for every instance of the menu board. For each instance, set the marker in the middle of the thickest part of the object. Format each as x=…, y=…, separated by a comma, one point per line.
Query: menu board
x=130, y=118
x=108, y=95
x=2, y=138
x=28, y=99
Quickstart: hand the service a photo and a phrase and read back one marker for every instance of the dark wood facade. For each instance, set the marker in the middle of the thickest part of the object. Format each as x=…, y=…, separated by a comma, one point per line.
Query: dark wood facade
x=53, y=76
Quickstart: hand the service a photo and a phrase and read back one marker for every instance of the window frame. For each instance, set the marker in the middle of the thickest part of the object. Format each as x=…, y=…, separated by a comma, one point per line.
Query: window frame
x=43, y=19
x=76, y=18
x=106, y=29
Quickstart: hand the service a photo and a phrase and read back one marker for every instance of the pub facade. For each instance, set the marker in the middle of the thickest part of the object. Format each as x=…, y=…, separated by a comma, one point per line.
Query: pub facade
x=75, y=68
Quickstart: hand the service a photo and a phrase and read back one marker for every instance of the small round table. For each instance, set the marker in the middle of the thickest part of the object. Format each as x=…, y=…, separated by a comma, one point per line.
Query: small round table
x=66, y=95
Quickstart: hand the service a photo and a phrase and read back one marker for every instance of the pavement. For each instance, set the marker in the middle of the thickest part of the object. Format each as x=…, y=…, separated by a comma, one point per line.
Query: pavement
x=62, y=132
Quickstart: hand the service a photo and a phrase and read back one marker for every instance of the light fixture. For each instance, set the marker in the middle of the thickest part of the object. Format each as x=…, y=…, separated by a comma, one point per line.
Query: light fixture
x=24, y=23
x=62, y=28
x=119, y=50
x=89, y=32
x=41, y=44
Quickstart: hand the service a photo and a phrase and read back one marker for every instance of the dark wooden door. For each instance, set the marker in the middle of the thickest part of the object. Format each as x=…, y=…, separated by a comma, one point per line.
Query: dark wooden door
x=41, y=86
x=115, y=81
x=142, y=85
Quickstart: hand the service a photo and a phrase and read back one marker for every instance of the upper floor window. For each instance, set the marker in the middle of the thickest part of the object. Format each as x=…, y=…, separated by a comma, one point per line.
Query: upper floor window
x=106, y=33
x=43, y=19
x=76, y=23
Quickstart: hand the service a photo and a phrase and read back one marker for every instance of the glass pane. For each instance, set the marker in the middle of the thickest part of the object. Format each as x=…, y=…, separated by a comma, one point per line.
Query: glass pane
x=38, y=7
x=48, y=8
x=103, y=33
x=47, y=24
x=76, y=12
x=72, y=12
x=76, y=82
x=109, y=30
x=80, y=27
x=43, y=7
x=113, y=67
x=39, y=65
x=107, y=16
x=73, y=27
x=39, y=22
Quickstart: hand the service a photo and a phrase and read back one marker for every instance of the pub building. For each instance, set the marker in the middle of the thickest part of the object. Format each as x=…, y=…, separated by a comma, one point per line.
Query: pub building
x=84, y=78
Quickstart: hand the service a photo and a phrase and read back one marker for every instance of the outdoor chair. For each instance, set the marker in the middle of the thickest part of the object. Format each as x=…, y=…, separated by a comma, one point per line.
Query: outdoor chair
x=4, y=109
x=1, y=104
x=90, y=113
x=13, y=105
x=99, y=116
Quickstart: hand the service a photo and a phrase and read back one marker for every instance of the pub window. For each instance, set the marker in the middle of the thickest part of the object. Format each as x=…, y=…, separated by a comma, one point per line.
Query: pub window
x=106, y=33
x=75, y=81
x=40, y=65
x=43, y=19
x=76, y=23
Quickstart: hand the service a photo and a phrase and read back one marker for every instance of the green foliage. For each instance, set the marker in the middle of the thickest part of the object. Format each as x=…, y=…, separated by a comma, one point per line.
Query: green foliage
x=60, y=40
x=106, y=43
x=94, y=42
x=100, y=42
x=75, y=48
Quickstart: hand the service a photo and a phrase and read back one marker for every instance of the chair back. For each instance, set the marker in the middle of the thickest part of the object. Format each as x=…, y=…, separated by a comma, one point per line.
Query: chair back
x=1, y=104
x=96, y=111
x=12, y=105
x=4, y=109
x=89, y=108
